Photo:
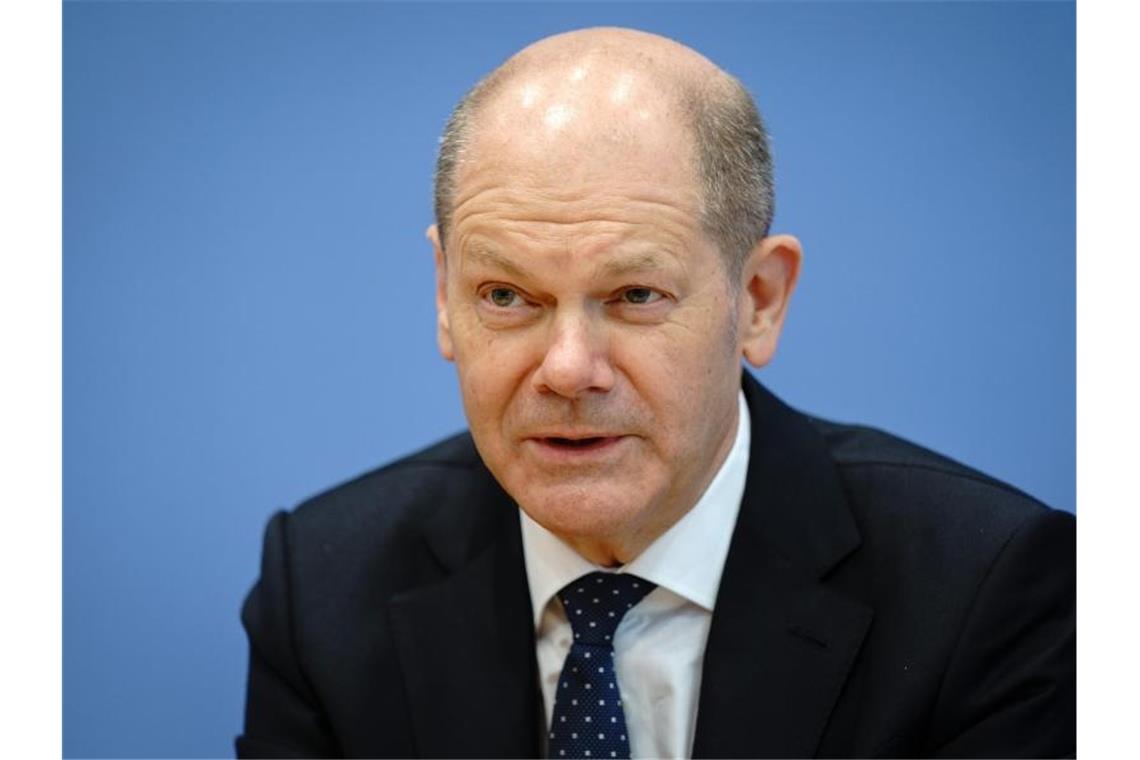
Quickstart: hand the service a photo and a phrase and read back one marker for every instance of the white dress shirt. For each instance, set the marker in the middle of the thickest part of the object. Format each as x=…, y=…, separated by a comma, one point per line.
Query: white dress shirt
x=660, y=644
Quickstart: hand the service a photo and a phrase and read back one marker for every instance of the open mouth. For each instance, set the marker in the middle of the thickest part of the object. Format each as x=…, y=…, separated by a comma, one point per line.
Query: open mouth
x=563, y=450
x=575, y=443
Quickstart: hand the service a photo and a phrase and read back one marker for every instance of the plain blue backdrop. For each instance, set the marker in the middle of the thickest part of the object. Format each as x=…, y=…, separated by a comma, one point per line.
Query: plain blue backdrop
x=248, y=311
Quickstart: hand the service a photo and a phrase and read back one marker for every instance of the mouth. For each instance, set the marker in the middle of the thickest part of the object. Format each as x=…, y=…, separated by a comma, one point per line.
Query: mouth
x=575, y=447
x=575, y=443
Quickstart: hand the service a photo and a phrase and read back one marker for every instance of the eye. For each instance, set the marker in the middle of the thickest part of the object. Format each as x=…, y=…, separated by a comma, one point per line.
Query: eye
x=640, y=295
x=503, y=297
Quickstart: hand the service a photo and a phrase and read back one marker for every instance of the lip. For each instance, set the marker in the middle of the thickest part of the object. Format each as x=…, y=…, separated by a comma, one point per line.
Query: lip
x=575, y=447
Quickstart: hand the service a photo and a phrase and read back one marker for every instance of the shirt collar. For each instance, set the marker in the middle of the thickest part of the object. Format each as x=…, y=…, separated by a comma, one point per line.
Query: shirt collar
x=687, y=559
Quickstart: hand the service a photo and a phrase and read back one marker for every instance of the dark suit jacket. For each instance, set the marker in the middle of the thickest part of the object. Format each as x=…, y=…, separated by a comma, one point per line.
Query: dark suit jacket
x=877, y=600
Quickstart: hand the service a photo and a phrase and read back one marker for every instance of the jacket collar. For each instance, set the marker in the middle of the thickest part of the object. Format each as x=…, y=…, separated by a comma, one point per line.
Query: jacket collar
x=466, y=644
x=781, y=643
x=793, y=504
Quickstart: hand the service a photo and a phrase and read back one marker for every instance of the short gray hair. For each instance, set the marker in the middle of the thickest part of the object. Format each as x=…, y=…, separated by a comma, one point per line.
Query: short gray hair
x=734, y=162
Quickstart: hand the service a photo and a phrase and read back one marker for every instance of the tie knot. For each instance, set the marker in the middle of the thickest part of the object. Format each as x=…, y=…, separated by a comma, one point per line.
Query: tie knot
x=596, y=603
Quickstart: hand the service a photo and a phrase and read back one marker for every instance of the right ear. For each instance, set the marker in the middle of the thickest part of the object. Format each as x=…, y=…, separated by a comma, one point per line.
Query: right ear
x=443, y=326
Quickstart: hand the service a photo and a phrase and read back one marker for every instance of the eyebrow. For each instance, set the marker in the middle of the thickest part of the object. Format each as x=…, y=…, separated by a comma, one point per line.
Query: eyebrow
x=481, y=253
x=644, y=262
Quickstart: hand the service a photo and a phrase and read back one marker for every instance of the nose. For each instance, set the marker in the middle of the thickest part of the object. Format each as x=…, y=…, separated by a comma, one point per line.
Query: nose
x=577, y=359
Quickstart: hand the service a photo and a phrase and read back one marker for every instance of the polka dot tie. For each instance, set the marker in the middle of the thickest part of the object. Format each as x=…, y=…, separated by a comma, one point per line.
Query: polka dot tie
x=588, y=718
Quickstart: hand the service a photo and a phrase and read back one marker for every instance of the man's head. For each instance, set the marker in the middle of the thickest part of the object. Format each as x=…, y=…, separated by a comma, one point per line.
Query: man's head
x=603, y=200
x=731, y=155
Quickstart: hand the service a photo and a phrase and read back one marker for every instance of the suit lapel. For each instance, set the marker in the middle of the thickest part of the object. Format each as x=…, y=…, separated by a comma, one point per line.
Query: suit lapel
x=781, y=643
x=466, y=645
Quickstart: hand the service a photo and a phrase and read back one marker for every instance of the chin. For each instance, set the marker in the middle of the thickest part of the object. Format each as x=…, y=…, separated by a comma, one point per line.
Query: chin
x=592, y=512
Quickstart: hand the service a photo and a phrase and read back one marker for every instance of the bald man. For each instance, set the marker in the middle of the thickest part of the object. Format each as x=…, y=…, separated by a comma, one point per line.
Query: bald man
x=636, y=550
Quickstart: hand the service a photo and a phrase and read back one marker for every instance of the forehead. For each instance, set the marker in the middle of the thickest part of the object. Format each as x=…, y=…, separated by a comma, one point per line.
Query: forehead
x=580, y=129
x=577, y=210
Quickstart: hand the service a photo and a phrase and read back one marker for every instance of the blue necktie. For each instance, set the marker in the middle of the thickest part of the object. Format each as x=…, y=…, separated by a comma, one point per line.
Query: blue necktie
x=588, y=720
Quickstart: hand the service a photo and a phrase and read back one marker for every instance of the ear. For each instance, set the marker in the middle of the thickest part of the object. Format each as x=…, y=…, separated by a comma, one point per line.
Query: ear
x=769, y=277
x=443, y=326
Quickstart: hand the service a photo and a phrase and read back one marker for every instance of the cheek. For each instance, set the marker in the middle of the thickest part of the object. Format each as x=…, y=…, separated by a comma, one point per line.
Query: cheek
x=490, y=373
x=686, y=375
x=685, y=361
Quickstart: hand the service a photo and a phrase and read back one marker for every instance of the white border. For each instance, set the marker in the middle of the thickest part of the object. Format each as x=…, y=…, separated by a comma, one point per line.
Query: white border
x=30, y=387
x=30, y=377
x=1108, y=211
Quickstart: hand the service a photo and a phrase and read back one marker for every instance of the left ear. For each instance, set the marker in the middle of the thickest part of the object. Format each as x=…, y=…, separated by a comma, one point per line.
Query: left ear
x=768, y=279
x=442, y=320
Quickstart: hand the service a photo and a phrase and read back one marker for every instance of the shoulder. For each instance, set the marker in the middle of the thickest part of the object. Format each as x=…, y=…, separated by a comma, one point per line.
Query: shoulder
x=962, y=571
x=366, y=535
x=404, y=489
x=927, y=508
x=873, y=462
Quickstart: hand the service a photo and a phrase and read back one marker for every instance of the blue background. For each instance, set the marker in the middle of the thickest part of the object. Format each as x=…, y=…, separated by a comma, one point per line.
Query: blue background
x=248, y=309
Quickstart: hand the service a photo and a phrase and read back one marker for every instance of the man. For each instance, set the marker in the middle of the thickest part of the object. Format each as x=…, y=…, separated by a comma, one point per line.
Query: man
x=633, y=553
